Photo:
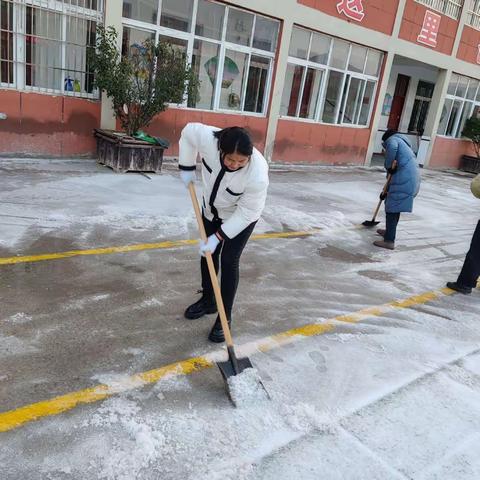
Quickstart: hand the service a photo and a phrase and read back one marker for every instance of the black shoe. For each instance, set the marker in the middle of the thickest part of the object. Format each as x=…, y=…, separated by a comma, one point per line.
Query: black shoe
x=216, y=333
x=459, y=288
x=203, y=307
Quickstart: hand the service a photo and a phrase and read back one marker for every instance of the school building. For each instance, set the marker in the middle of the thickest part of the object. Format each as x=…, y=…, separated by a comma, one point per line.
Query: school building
x=315, y=81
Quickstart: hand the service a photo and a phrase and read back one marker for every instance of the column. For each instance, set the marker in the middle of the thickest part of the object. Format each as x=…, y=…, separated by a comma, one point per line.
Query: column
x=113, y=18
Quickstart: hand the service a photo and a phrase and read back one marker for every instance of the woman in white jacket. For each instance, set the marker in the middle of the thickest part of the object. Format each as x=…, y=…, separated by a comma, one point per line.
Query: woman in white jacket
x=235, y=182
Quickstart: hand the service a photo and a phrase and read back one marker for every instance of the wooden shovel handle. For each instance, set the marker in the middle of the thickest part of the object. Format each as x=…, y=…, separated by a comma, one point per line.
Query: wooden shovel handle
x=211, y=268
x=385, y=188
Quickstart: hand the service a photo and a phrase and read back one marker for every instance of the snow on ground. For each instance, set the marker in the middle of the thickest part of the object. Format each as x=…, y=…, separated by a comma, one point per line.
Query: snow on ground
x=395, y=396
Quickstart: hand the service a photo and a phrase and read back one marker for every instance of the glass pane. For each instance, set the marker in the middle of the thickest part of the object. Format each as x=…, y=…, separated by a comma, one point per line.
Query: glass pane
x=311, y=90
x=472, y=89
x=445, y=116
x=366, y=103
x=44, y=50
x=209, y=19
x=6, y=42
x=457, y=105
x=452, y=86
x=80, y=34
x=90, y=4
x=466, y=113
x=145, y=11
x=133, y=39
x=256, y=84
x=357, y=59
x=320, y=48
x=205, y=65
x=177, y=14
x=339, y=54
x=291, y=90
x=6, y=15
x=352, y=105
x=425, y=89
x=239, y=27
x=476, y=112
x=177, y=43
x=299, y=43
x=462, y=87
x=335, y=80
x=374, y=63
x=266, y=33
x=234, y=69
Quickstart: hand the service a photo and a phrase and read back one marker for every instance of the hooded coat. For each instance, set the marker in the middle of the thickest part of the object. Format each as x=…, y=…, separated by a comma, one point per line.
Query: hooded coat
x=405, y=182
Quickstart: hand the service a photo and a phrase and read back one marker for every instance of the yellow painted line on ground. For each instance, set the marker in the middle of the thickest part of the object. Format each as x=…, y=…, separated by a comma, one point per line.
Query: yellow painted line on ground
x=15, y=418
x=135, y=248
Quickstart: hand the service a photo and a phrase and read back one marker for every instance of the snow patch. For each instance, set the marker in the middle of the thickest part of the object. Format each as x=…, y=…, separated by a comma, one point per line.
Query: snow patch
x=246, y=388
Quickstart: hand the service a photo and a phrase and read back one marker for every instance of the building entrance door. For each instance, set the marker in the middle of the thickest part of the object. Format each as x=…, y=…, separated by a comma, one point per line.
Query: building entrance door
x=401, y=89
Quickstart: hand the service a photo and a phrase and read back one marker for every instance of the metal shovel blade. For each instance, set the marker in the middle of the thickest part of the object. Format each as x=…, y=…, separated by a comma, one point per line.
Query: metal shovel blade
x=370, y=223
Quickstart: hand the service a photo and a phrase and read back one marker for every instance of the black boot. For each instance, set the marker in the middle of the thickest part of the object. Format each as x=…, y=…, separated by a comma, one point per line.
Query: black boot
x=216, y=333
x=459, y=288
x=203, y=307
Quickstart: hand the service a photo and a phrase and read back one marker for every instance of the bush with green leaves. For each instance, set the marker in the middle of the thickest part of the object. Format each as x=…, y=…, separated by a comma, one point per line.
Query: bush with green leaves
x=472, y=131
x=142, y=83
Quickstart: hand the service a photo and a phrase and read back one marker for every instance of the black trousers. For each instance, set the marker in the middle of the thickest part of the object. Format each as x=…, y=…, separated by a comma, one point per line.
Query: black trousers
x=471, y=266
x=391, y=230
x=227, y=257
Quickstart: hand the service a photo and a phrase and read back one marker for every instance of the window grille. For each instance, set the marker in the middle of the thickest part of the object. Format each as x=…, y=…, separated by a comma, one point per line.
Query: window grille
x=44, y=44
x=451, y=8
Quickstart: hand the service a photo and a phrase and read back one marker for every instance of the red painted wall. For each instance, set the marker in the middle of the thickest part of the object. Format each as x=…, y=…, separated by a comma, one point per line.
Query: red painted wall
x=47, y=125
x=412, y=25
x=303, y=142
x=169, y=125
x=447, y=152
x=468, y=48
x=379, y=14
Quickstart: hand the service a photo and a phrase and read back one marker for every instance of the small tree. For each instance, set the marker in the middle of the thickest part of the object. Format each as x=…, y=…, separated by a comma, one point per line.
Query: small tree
x=142, y=83
x=472, y=131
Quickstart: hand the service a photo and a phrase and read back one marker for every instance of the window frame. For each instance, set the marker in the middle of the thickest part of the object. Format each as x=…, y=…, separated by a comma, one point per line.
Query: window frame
x=464, y=102
x=191, y=36
x=19, y=30
x=473, y=15
x=343, y=96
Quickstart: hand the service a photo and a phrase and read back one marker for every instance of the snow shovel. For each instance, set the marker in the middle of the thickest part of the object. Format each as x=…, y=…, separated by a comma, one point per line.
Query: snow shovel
x=233, y=366
x=372, y=223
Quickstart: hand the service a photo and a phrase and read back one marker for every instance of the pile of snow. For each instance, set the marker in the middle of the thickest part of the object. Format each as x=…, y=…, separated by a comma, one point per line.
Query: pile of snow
x=247, y=388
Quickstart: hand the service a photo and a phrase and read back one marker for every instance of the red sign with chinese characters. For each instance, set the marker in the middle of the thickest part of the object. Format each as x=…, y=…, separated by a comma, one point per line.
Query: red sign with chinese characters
x=431, y=25
x=352, y=9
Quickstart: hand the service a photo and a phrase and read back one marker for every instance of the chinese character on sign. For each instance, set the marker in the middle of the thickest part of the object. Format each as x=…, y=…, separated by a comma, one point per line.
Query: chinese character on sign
x=431, y=24
x=352, y=9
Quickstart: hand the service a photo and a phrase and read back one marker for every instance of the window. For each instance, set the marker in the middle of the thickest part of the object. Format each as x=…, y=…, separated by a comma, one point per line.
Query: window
x=329, y=80
x=420, y=107
x=6, y=42
x=473, y=18
x=231, y=50
x=47, y=51
x=461, y=103
x=451, y=8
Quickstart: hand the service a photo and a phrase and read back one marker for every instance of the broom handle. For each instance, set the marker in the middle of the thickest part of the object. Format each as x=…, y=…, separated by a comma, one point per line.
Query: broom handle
x=211, y=268
x=385, y=188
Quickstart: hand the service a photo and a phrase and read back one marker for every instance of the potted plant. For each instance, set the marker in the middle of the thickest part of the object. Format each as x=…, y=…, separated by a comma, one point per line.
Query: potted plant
x=472, y=131
x=140, y=84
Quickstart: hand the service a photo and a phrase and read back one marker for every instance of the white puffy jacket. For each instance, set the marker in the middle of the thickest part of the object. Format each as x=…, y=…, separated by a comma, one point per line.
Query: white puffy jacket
x=237, y=198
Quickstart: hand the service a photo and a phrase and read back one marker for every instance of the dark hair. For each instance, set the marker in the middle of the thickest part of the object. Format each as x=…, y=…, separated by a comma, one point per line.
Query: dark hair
x=388, y=134
x=234, y=139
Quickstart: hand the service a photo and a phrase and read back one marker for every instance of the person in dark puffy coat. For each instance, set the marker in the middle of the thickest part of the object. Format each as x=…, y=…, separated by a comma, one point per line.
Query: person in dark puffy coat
x=401, y=163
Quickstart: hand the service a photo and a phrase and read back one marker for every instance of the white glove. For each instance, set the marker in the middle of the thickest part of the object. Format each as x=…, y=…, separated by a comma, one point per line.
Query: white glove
x=187, y=176
x=211, y=245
